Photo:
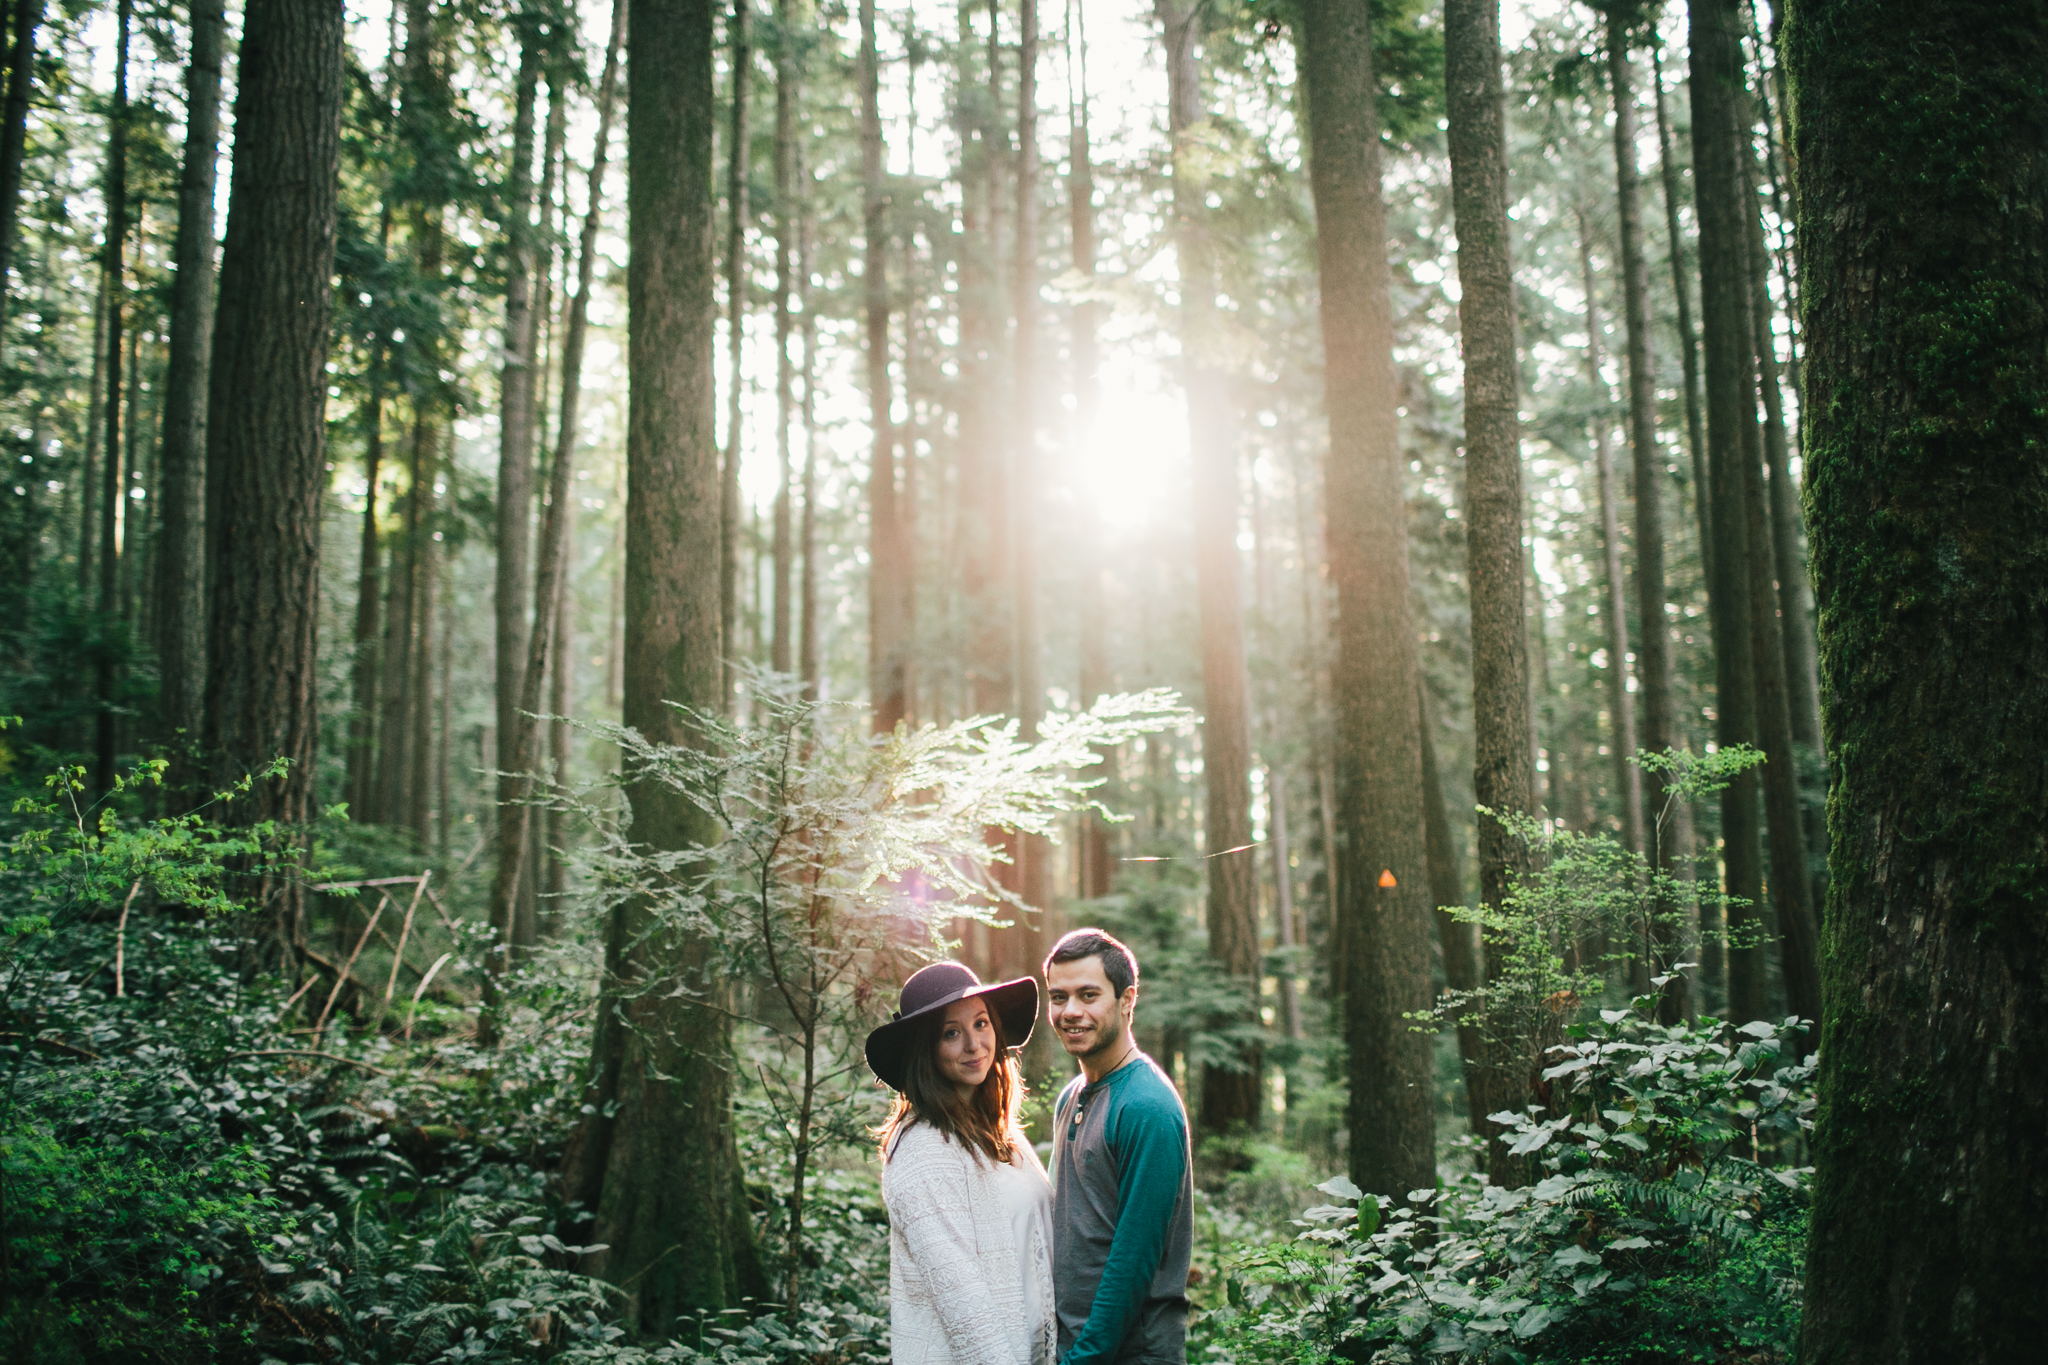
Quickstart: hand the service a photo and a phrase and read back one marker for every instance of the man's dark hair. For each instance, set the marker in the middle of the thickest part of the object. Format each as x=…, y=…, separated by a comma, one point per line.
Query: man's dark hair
x=1119, y=963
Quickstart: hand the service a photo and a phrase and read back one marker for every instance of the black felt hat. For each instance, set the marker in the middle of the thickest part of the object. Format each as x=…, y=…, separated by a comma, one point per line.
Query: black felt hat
x=929, y=991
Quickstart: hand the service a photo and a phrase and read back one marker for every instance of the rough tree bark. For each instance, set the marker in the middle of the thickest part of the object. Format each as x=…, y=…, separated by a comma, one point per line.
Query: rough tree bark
x=509, y=598
x=1503, y=776
x=266, y=419
x=656, y=1158
x=1383, y=904
x=1716, y=87
x=1230, y=1096
x=1923, y=193
x=180, y=554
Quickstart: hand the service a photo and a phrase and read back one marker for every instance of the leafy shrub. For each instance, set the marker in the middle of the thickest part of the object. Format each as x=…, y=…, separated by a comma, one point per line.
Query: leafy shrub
x=1657, y=1233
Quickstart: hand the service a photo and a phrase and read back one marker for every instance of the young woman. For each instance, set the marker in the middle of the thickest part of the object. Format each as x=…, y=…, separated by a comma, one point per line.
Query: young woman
x=970, y=1213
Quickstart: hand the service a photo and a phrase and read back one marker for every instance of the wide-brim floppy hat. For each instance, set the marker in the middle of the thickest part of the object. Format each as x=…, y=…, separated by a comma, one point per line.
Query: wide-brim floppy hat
x=929, y=991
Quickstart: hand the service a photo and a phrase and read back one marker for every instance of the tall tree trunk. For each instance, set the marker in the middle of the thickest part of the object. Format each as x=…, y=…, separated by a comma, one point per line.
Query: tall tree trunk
x=1730, y=409
x=1791, y=885
x=1457, y=940
x=737, y=280
x=110, y=466
x=1383, y=888
x=1794, y=624
x=808, y=661
x=1688, y=346
x=95, y=416
x=888, y=638
x=394, y=718
x=1230, y=1096
x=266, y=418
x=1034, y=852
x=984, y=484
x=1621, y=705
x=516, y=384
x=180, y=561
x=1923, y=187
x=1503, y=767
x=21, y=79
x=1097, y=843
x=656, y=1158
x=561, y=691
x=520, y=745
x=780, y=648
x=1653, y=635
x=419, y=799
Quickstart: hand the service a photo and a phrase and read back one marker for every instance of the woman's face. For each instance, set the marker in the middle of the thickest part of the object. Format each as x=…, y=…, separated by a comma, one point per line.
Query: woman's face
x=967, y=1044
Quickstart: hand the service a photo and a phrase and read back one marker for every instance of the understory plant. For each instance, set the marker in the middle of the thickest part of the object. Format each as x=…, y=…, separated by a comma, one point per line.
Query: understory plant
x=1667, y=1225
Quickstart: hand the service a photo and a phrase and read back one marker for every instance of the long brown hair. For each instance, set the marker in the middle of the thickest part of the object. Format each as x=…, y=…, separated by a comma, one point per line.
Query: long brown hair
x=984, y=1120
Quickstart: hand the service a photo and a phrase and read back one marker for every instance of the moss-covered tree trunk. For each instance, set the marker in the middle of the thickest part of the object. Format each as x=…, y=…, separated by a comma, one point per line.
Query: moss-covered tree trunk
x=657, y=1158
x=1383, y=892
x=1922, y=139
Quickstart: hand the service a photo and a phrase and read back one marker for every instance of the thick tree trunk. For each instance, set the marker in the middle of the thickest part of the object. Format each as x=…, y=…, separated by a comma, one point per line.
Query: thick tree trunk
x=656, y=1159
x=21, y=79
x=1923, y=190
x=1653, y=635
x=1688, y=347
x=737, y=276
x=1621, y=704
x=516, y=384
x=266, y=418
x=180, y=559
x=1503, y=767
x=1383, y=906
x=1730, y=409
x=1229, y=1096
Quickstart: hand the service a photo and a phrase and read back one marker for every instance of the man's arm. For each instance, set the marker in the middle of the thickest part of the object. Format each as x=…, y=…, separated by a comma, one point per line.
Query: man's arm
x=1152, y=1157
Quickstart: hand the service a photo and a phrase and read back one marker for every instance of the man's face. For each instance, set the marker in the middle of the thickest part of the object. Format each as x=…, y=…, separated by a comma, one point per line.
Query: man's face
x=1084, y=1009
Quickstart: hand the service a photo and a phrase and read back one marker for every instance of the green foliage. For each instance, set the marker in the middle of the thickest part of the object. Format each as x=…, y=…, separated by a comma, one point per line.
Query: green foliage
x=1658, y=1233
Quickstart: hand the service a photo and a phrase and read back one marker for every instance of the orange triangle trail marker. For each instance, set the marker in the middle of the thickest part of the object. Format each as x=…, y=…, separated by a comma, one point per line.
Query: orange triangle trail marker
x=1387, y=877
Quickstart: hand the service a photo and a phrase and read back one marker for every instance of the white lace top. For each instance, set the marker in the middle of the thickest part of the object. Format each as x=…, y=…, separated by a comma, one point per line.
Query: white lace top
x=970, y=1253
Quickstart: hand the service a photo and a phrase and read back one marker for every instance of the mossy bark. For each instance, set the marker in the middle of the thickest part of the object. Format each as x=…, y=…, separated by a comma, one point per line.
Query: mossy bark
x=1922, y=138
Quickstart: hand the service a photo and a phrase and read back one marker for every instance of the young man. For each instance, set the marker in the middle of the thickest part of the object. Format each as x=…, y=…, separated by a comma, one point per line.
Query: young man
x=1123, y=1190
